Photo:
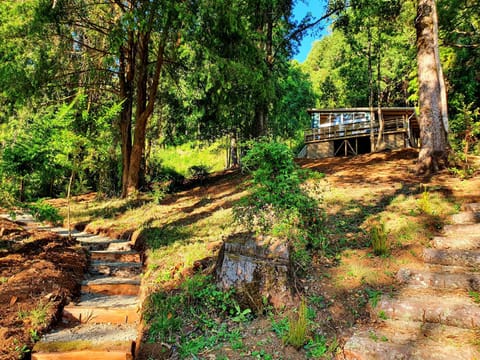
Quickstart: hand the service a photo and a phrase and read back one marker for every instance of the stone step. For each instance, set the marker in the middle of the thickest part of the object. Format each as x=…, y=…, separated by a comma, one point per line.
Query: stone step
x=118, y=269
x=119, y=245
x=106, y=255
x=439, y=279
x=96, y=242
x=462, y=230
x=447, y=308
x=117, y=309
x=465, y=217
x=456, y=243
x=99, y=341
x=109, y=285
x=395, y=340
x=452, y=257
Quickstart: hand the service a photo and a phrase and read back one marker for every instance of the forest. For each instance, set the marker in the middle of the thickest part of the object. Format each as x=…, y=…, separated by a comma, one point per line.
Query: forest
x=162, y=135
x=94, y=91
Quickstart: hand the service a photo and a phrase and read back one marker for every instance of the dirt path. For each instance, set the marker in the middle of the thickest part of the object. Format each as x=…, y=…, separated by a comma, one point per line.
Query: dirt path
x=436, y=314
x=39, y=272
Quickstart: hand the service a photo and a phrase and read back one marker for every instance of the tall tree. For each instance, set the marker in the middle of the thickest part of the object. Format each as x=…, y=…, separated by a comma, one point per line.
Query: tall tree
x=433, y=133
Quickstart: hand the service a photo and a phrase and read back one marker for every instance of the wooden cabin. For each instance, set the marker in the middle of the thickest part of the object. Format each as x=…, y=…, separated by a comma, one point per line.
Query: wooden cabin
x=353, y=131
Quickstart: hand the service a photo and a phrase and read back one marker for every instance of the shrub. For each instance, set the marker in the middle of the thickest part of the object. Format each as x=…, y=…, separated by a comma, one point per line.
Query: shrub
x=198, y=172
x=278, y=204
x=43, y=211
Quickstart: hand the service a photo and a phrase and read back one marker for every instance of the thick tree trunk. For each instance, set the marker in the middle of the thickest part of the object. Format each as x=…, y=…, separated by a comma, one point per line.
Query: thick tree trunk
x=432, y=131
x=142, y=117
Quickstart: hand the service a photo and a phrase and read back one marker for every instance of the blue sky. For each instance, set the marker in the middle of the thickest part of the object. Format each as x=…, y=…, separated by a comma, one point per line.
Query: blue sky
x=316, y=8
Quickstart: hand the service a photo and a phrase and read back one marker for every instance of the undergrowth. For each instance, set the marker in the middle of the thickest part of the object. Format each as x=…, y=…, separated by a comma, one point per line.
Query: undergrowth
x=200, y=306
x=278, y=204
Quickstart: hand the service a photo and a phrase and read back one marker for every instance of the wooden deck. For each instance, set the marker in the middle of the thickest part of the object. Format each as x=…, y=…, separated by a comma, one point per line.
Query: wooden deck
x=354, y=125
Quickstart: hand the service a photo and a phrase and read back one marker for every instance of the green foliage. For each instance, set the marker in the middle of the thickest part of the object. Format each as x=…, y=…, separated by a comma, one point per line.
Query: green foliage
x=379, y=239
x=198, y=172
x=317, y=347
x=198, y=304
x=42, y=150
x=424, y=203
x=298, y=330
x=43, y=211
x=475, y=295
x=373, y=296
x=278, y=204
x=382, y=315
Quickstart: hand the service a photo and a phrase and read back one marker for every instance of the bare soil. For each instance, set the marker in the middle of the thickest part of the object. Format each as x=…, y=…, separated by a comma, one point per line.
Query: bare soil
x=39, y=272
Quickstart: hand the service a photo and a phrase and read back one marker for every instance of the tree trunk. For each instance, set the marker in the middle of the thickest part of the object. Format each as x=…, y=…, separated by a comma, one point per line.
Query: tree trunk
x=260, y=125
x=233, y=151
x=432, y=131
x=370, y=97
x=143, y=117
x=441, y=78
x=126, y=78
x=381, y=123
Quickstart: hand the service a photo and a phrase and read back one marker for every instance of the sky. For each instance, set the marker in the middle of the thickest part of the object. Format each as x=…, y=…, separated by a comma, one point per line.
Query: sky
x=302, y=7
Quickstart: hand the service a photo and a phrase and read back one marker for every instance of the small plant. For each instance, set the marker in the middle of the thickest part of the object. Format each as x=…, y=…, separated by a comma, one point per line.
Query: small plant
x=382, y=315
x=159, y=192
x=280, y=327
x=475, y=296
x=34, y=337
x=43, y=211
x=379, y=239
x=317, y=347
x=37, y=316
x=298, y=327
x=373, y=296
x=424, y=204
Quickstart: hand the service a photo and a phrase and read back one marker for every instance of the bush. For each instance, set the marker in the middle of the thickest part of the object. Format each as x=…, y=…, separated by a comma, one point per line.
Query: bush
x=42, y=211
x=278, y=204
x=198, y=172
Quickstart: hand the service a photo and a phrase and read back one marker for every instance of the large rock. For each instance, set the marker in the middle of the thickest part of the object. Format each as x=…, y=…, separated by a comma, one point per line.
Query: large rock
x=258, y=268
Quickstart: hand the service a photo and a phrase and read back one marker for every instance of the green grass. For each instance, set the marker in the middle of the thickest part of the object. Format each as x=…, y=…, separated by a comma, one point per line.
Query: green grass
x=182, y=158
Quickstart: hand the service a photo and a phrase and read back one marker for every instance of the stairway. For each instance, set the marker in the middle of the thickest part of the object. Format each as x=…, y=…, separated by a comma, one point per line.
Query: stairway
x=436, y=314
x=102, y=323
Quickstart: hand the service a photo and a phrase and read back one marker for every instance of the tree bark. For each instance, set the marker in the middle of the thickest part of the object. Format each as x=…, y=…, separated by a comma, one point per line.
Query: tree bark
x=142, y=119
x=432, y=130
x=126, y=79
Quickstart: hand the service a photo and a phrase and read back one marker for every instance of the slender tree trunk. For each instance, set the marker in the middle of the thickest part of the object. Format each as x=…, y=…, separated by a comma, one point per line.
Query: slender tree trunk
x=370, y=97
x=126, y=78
x=69, y=192
x=432, y=131
x=381, y=123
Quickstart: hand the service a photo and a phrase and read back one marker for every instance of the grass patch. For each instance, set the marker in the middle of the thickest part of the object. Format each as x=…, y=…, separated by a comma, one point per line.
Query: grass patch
x=186, y=158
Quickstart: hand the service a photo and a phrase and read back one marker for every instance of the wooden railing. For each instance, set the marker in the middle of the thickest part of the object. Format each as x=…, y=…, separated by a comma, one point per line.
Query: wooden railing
x=358, y=129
